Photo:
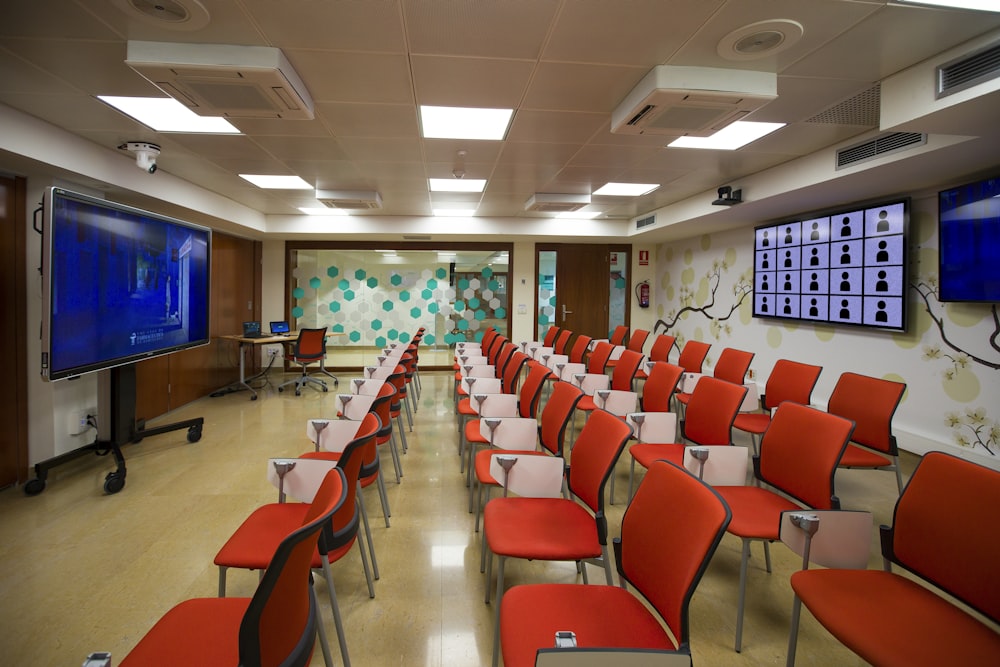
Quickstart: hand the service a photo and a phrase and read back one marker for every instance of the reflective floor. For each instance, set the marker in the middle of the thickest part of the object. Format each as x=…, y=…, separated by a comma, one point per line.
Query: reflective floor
x=84, y=571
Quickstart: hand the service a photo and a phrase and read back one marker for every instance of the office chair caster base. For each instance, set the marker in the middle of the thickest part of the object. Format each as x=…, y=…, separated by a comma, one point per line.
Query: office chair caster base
x=194, y=433
x=114, y=482
x=34, y=487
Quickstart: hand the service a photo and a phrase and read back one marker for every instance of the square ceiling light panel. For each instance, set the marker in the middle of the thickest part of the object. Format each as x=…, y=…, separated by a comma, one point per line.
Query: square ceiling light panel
x=165, y=114
x=457, y=184
x=626, y=189
x=464, y=123
x=270, y=182
x=729, y=138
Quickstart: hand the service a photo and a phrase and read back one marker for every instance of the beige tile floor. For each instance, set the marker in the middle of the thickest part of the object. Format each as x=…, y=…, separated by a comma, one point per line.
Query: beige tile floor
x=84, y=571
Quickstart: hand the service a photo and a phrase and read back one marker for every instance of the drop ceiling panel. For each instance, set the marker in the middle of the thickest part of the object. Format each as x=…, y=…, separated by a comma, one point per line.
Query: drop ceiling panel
x=479, y=82
x=372, y=149
x=216, y=146
x=476, y=152
x=614, y=156
x=353, y=77
x=267, y=127
x=77, y=112
x=369, y=120
x=47, y=20
x=302, y=148
x=229, y=23
x=590, y=88
x=800, y=98
x=18, y=77
x=637, y=33
x=103, y=71
x=555, y=126
x=537, y=153
x=483, y=29
x=343, y=26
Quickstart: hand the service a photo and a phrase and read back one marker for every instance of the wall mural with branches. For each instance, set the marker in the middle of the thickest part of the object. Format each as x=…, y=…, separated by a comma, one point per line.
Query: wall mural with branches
x=949, y=357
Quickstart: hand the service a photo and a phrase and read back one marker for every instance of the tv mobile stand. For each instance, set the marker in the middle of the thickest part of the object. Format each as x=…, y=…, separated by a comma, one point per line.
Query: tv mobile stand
x=124, y=429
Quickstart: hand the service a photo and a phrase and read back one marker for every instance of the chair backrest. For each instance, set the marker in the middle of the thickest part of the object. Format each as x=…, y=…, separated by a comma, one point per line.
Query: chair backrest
x=562, y=341
x=398, y=380
x=662, y=344
x=311, y=344
x=870, y=403
x=732, y=365
x=938, y=532
x=637, y=340
x=599, y=356
x=382, y=406
x=512, y=372
x=578, y=352
x=345, y=520
x=550, y=336
x=709, y=416
x=595, y=452
x=800, y=451
x=660, y=386
x=790, y=381
x=619, y=335
x=556, y=416
x=531, y=389
x=693, y=356
x=279, y=625
x=625, y=368
x=503, y=354
x=665, y=566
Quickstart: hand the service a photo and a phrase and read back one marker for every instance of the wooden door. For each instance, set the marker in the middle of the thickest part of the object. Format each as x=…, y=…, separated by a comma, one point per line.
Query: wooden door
x=582, y=289
x=14, y=389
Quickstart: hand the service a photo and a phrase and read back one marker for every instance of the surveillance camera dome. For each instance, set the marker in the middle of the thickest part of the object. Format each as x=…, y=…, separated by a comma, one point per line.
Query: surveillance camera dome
x=145, y=154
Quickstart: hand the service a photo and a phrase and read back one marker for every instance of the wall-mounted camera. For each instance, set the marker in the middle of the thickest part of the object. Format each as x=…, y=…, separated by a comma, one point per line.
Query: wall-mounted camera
x=728, y=196
x=145, y=154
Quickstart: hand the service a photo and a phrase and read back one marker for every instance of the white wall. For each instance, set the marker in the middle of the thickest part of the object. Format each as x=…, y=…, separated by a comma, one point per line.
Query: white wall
x=949, y=397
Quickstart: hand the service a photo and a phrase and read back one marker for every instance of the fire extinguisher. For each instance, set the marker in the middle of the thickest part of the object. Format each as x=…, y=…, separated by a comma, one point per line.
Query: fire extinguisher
x=642, y=294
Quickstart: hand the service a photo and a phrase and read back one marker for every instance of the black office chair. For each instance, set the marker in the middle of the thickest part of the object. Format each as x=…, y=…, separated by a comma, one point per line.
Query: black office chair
x=309, y=348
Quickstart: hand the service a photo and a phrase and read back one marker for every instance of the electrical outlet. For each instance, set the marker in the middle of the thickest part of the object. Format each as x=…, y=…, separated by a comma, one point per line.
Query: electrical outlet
x=272, y=351
x=76, y=422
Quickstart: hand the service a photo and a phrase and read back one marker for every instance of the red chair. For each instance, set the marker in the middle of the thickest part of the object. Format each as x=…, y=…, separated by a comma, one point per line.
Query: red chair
x=619, y=335
x=788, y=381
x=578, y=352
x=309, y=348
x=550, y=336
x=660, y=351
x=621, y=377
x=732, y=367
x=870, y=403
x=278, y=625
x=798, y=457
x=710, y=414
x=561, y=342
x=664, y=566
x=693, y=355
x=660, y=386
x=635, y=343
x=890, y=619
x=558, y=529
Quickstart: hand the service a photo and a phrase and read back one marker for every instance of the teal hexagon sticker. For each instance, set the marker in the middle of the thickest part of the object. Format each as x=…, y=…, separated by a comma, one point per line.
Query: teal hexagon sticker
x=501, y=313
x=404, y=295
x=355, y=336
x=393, y=334
x=480, y=315
x=433, y=308
x=333, y=271
x=380, y=341
x=473, y=303
x=441, y=273
x=387, y=305
x=298, y=292
x=414, y=313
x=376, y=324
x=344, y=284
x=334, y=306
x=463, y=284
x=314, y=282
x=487, y=272
x=396, y=280
x=427, y=295
x=372, y=282
x=349, y=295
x=297, y=312
x=432, y=284
x=360, y=274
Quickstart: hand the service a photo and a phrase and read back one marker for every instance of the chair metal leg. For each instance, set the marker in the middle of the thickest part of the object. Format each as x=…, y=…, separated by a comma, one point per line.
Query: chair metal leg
x=409, y=415
x=793, y=632
x=767, y=556
x=394, y=452
x=743, y=593
x=899, y=474
x=222, y=580
x=489, y=568
x=380, y=483
x=402, y=431
x=321, y=633
x=496, y=613
x=367, y=569
x=368, y=534
x=606, y=559
x=338, y=622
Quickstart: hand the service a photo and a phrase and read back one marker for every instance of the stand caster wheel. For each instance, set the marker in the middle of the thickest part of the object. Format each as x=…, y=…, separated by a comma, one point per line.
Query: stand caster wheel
x=114, y=483
x=194, y=434
x=280, y=389
x=34, y=487
x=254, y=397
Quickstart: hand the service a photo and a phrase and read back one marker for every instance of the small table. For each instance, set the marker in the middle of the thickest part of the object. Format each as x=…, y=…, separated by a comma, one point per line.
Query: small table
x=247, y=343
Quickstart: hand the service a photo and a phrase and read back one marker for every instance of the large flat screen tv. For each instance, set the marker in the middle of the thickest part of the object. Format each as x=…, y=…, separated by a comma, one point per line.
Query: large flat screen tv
x=119, y=284
x=846, y=266
x=969, y=242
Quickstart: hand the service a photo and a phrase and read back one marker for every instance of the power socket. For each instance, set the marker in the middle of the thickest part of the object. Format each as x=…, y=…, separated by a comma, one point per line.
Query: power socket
x=76, y=422
x=272, y=352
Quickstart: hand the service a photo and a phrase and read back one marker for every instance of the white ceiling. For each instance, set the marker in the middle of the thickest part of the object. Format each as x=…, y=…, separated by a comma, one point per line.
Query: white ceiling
x=563, y=65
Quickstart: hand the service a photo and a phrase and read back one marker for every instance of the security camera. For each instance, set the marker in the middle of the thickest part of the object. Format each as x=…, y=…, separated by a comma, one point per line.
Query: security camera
x=145, y=154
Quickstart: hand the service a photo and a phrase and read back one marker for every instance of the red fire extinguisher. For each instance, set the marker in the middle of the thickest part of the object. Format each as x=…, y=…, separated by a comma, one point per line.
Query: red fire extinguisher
x=642, y=294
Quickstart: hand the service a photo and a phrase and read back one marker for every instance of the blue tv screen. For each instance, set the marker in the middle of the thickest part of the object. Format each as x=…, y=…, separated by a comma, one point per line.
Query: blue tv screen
x=119, y=284
x=969, y=242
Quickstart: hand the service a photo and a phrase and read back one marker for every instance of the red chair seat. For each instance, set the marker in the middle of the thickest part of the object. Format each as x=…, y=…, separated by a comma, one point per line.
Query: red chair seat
x=252, y=545
x=752, y=422
x=754, y=510
x=474, y=434
x=856, y=457
x=900, y=622
x=645, y=453
x=202, y=631
x=622, y=622
x=541, y=529
x=586, y=403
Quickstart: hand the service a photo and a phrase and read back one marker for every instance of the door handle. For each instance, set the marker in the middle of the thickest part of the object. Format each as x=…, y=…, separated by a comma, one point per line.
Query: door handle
x=565, y=312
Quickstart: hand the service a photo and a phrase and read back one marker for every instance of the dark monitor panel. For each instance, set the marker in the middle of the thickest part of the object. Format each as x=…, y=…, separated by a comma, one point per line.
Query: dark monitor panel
x=846, y=267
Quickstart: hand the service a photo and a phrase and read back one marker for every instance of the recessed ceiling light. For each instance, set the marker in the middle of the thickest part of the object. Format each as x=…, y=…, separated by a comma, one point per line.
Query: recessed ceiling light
x=277, y=182
x=322, y=211
x=626, y=189
x=464, y=123
x=981, y=5
x=729, y=138
x=454, y=212
x=457, y=184
x=165, y=114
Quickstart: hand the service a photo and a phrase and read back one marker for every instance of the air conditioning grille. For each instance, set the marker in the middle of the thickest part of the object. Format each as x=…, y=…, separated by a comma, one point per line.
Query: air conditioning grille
x=878, y=147
x=968, y=71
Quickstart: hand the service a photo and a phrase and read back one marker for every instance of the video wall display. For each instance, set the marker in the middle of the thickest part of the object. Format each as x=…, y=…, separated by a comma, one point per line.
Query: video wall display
x=847, y=267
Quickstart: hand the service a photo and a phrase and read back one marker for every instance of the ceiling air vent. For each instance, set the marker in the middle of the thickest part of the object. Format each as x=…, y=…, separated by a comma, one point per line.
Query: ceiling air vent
x=350, y=200
x=969, y=70
x=224, y=80
x=555, y=203
x=885, y=144
x=645, y=222
x=693, y=101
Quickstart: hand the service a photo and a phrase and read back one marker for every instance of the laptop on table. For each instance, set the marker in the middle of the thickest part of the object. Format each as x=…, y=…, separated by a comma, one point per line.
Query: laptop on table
x=252, y=330
x=279, y=328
